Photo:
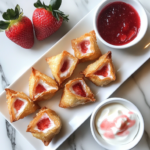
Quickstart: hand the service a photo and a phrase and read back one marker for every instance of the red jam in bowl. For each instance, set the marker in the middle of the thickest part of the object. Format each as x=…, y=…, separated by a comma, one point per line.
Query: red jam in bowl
x=118, y=23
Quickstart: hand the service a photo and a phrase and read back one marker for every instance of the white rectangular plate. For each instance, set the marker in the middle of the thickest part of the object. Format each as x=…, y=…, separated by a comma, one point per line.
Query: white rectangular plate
x=125, y=61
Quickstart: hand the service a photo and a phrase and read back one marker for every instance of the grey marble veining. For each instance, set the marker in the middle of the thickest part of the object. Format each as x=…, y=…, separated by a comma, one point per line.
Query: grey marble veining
x=3, y=78
x=82, y=7
x=147, y=138
x=71, y=142
x=11, y=133
x=142, y=92
x=6, y=4
x=10, y=130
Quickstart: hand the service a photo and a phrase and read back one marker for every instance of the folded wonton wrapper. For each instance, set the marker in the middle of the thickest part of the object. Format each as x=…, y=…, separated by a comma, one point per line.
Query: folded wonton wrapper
x=40, y=128
x=92, y=53
x=75, y=93
x=102, y=71
x=41, y=87
x=62, y=66
x=19, y=105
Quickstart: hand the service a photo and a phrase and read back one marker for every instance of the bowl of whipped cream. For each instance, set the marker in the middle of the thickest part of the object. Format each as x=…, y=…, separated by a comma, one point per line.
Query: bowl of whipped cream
x=117, y=124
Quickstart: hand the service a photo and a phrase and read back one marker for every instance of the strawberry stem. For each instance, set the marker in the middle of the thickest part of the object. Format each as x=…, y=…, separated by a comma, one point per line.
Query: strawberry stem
x=11, y=16
x=15, y=21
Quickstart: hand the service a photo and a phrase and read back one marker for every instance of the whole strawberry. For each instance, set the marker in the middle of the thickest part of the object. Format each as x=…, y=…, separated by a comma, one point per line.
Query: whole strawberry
x=47, y=19
x=18, y=28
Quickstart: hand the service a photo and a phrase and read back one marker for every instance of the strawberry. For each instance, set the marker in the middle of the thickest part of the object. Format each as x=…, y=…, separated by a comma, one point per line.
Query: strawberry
x=18, y=28
x=79, y=89
x=43, y=124
x=39, y=89
x=47, y=19
x=18, y=104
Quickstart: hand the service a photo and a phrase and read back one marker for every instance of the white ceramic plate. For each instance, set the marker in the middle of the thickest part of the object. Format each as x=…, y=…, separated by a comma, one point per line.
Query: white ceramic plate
x=126, y=63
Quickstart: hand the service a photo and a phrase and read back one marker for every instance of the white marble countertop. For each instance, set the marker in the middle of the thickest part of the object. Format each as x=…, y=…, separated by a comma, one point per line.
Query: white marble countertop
x=15, y=60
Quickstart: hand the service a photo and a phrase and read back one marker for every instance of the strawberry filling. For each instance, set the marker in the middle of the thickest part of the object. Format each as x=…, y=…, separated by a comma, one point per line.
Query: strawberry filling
x=43, y=124
x=65, y=66
x=78, y=89
x=18, y=104
x=39, y=89
x=84, y=46
x=103, y=71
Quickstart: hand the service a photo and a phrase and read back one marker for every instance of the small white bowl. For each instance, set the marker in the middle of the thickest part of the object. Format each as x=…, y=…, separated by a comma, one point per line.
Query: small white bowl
x=129, y=106
x=142, y=14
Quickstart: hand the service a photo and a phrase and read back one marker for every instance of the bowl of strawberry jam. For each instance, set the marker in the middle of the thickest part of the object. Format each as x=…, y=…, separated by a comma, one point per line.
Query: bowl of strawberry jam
x=120, y=24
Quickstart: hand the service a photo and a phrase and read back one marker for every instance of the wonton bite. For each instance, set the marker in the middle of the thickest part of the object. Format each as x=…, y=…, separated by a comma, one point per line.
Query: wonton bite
x=41, y=87
x=86, y=48
x=19, y=105
x=45, y=125
x=75, y=93
x=102, y=71
x=62, y=66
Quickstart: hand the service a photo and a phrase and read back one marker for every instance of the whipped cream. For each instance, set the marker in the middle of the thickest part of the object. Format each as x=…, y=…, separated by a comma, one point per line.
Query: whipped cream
x=46, y=86
x=70, y=61
x=109, y=75
x=52, y=125
x=116, y=124
x=22, y=108
x=88, y=47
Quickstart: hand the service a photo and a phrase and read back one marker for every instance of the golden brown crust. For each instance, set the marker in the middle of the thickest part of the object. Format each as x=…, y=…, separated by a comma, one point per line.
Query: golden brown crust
x=70, y=99
x=95, y=54
x=33, y=81
x=30, y=107
x=92, y=68
x=55, y=65
x=46, y=143
x=48, y=136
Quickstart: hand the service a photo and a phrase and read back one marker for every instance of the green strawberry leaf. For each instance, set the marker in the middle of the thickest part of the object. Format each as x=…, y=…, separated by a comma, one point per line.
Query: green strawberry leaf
x=12, y=14
x=54, y=14
x=7, y=15
x=4, y=25
x=44, y=5
x=17, y=9
x=57, y=17
x=61, y=14
x=55, y=4
x=58, y=11
x=38, y=4
x=50, y=8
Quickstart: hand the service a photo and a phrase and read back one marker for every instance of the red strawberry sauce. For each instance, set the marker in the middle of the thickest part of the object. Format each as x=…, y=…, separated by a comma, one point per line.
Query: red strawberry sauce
x=43, y=124
x=39, y=89
x=79, y=89
x=103, y=71
x=65, y=66
x=118, y=23
x=84, y=46
x=18, y=104
x=107, y=127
